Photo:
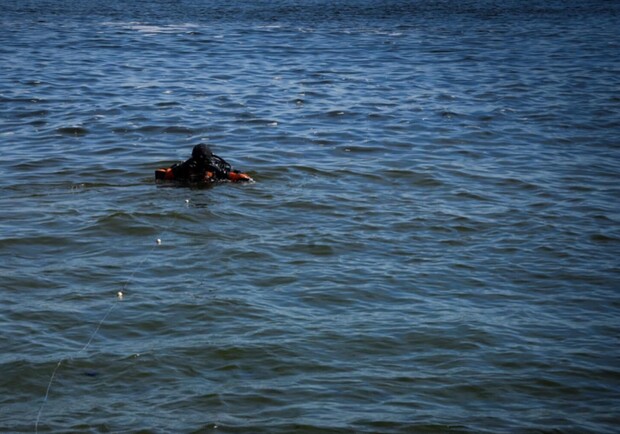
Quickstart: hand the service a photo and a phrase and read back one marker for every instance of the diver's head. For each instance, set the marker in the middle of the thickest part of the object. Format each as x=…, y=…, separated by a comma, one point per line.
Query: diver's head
x=201, y=152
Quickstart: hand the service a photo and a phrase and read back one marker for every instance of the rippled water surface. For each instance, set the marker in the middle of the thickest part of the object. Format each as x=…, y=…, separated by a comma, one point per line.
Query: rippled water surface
x=431, y=244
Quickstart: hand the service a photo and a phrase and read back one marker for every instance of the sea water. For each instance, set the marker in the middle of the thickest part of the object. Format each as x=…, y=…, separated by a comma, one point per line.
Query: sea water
x=432, y=242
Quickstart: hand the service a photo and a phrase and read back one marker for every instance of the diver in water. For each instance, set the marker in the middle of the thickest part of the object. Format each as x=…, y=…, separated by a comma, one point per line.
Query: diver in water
x=203, y=167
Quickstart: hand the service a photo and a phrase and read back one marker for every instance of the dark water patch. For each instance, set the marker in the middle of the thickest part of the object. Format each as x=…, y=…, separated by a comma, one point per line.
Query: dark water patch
x=604, y=238
x=72, y=131
x=168, y=104
x=38, y=123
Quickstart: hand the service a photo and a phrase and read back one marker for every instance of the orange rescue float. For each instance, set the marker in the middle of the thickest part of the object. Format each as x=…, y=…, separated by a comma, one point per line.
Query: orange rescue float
x=233, y=176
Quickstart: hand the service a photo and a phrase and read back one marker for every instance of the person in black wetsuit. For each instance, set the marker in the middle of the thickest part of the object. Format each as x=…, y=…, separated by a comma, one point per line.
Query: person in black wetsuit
x=203, y=166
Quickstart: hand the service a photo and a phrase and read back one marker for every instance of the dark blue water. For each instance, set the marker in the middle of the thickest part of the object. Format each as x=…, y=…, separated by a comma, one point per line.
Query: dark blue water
x=431, y=244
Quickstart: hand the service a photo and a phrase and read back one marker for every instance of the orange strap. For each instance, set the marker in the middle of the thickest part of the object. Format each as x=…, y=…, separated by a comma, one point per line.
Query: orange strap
x=238, y=176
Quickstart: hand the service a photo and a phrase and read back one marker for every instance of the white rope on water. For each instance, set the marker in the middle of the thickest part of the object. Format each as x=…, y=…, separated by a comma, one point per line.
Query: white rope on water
x=119, y=296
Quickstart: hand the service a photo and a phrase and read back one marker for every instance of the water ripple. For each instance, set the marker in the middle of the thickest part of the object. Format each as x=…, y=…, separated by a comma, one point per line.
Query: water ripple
x=431, y=244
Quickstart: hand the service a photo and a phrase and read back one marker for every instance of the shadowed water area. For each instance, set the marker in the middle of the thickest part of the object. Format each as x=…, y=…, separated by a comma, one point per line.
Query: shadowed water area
x=431, y=244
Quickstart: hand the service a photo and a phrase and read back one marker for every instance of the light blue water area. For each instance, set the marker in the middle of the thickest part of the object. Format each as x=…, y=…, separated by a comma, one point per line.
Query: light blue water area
x=431, y=243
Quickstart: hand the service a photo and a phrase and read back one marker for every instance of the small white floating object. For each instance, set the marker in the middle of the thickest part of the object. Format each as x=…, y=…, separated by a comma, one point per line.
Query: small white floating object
x=158, y=241
x=119, y=294
x=186, y=200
